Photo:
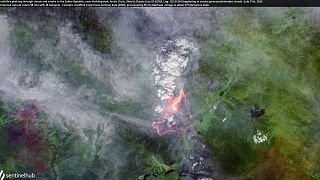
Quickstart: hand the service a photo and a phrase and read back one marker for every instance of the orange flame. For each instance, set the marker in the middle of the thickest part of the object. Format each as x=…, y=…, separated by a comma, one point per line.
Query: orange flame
x=177, y=101
x=172, y=108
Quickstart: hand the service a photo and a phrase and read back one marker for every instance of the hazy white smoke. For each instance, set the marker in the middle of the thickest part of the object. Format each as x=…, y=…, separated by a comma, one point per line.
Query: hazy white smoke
x=62, y=104
x=4, y=46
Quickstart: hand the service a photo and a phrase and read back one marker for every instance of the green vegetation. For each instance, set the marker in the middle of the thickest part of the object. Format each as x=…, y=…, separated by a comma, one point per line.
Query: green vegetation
x=144, y=154
x=124, y=107
x=74, y=156
x=271, y=60
x=97, y=34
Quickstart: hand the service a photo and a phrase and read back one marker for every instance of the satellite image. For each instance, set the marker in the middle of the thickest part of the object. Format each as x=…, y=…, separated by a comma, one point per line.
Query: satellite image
x=160, y=93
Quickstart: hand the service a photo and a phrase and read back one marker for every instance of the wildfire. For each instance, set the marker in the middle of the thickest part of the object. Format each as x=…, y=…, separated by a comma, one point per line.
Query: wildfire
x=175, y=103
x=168, y=124
x=170, y=63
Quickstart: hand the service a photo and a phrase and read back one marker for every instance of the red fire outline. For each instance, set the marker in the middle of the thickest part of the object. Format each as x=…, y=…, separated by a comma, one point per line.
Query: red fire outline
x=173, y=105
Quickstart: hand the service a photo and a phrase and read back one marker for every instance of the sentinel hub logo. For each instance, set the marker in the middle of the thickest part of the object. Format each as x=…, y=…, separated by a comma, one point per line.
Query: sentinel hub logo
x=15, y=175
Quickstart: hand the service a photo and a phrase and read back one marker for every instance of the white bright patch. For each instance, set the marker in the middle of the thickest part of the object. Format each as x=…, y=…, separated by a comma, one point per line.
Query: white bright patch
x=159, y=109
x=191, y=156
x=194, y=165
x=259, y=137
x=224, y=119
x=170, y=63
x=170, y=119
